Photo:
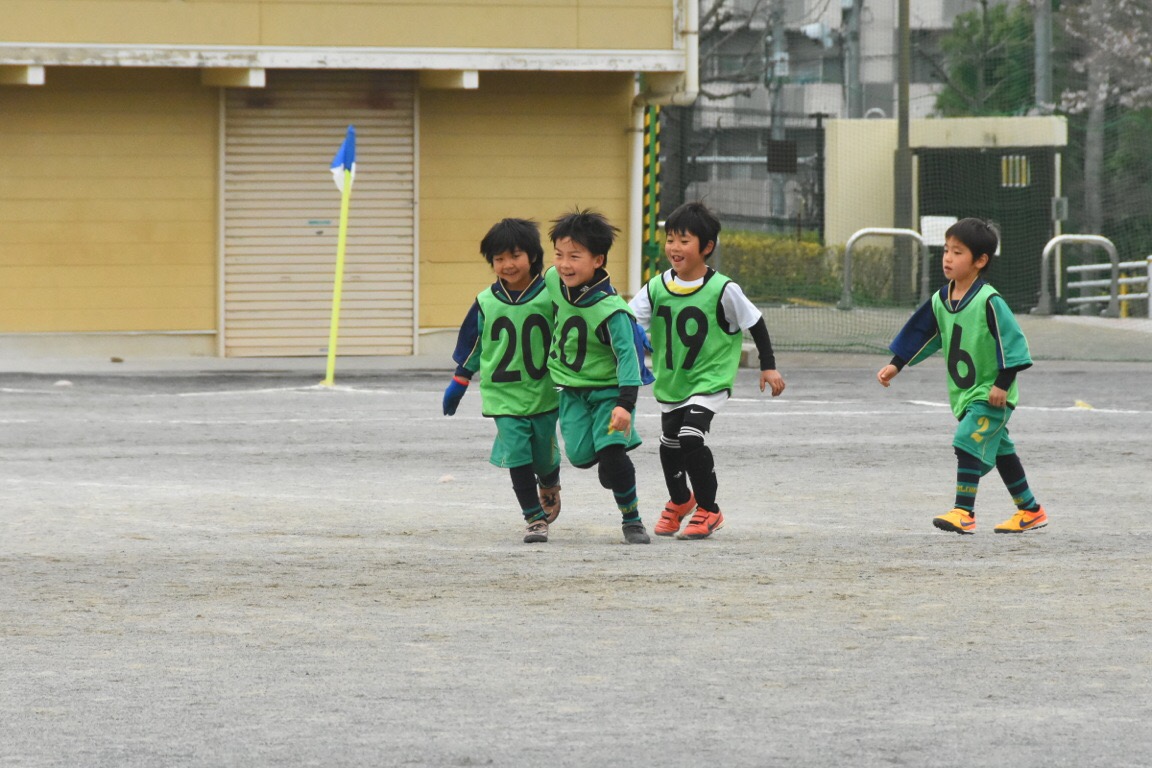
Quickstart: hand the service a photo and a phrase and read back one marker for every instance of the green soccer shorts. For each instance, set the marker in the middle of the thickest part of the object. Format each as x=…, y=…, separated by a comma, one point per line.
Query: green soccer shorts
x=523, y=440
x=584, y=418
x=983, y=432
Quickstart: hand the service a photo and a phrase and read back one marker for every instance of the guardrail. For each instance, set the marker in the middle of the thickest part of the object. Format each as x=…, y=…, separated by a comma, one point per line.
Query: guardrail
x=1044, y=304
x=925, y=255
x=1145, y=281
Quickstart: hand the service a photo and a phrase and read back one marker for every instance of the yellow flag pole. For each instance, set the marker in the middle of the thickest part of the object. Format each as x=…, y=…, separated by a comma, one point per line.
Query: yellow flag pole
x=338, y=283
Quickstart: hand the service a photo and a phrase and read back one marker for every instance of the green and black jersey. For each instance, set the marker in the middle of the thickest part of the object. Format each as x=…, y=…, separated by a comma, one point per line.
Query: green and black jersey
x=693, y=350
x=593, y=344
x=512, y=342
x=980, y=339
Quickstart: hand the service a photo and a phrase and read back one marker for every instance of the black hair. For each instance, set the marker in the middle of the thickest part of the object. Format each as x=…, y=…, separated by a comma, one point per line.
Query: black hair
x=588, y=228
x=509, y=235
x=694, y=218
x=978, y=235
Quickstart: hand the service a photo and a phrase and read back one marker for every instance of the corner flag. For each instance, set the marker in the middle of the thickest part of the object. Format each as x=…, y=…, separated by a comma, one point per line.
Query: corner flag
x=343, y=170
x=344, y=163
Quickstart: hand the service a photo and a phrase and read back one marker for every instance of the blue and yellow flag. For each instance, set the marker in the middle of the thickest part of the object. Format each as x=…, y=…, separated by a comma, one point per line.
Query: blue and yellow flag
x=343, y=170
x=344, y=163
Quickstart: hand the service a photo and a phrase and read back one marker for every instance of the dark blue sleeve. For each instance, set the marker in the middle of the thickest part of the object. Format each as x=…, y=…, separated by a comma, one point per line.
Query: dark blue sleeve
x=920, y=336
x=466, y=341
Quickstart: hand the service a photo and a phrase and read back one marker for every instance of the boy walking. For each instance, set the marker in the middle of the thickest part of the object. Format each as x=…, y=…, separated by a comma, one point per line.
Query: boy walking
x=506, y=336
x=985, y=349
x=696, y=318
x=594, y=361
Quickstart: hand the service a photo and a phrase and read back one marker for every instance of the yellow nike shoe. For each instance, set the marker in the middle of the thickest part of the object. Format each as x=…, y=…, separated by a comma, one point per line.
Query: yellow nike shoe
x=1023, y=520
x=956, y=521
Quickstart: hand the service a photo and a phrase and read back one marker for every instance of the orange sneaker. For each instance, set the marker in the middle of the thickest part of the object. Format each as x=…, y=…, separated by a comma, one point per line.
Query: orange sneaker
x=1023, y=520
x=702, y=524
x=672, y=516
x=956, y=521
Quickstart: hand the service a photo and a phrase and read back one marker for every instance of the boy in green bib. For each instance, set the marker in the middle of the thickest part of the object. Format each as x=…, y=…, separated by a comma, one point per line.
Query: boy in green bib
x=984, y=349
x=506, y=336
x=594, y=361
x=696, y=318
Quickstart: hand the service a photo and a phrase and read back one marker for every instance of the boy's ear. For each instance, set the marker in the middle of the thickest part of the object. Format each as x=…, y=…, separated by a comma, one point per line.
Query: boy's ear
x=987, y=261
x=600, y=260
x=706, y=251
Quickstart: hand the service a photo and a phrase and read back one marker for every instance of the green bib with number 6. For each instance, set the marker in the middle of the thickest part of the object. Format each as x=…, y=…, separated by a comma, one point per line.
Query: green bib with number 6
x=978, y=340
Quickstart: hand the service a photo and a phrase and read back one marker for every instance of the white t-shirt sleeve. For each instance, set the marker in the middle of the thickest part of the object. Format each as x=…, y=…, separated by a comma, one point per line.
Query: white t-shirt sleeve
x=642, y=308
x=739, y=311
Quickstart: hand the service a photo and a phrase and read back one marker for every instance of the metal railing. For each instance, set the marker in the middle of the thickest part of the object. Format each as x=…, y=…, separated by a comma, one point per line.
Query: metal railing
x=925, y=255
x=1145, y=282
x=1044, y=304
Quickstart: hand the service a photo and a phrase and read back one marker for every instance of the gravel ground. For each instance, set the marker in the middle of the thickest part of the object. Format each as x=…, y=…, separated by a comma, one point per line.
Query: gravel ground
x=207, y=567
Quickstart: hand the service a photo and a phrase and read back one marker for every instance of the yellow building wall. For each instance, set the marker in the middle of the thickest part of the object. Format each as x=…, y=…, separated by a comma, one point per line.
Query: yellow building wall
x=525, y=145
x=564, y=24
x=108, y=203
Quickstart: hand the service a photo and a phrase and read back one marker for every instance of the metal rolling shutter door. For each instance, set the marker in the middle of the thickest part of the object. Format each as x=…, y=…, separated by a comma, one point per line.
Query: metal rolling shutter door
x=281, y=215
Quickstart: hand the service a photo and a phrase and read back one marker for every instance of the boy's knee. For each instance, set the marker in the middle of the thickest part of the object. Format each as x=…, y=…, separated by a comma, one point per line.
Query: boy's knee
x=966, y=460
x=691, y=440
x=613, y=462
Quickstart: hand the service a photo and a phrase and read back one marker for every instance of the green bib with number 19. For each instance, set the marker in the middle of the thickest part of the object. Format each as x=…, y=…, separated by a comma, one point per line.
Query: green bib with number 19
x=691, y=353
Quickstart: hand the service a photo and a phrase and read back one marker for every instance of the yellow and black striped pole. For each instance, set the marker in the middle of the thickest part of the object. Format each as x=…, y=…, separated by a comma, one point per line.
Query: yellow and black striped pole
x=651, y=247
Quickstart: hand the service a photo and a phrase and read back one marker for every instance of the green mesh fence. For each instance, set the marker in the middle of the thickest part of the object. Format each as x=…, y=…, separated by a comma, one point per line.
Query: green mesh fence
x=792, y=262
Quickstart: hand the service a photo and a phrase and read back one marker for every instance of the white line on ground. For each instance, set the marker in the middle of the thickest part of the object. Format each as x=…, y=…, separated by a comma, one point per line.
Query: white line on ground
x=313, y=388
x=1050, y=408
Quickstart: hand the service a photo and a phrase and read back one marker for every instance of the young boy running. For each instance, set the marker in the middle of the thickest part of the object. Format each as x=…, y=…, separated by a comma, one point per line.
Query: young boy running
x=984, y=349
x=594, y=361
x=696, y=318
x=506, y=336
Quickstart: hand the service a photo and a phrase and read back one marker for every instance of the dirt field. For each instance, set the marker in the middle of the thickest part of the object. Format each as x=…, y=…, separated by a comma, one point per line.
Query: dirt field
x=203, y=568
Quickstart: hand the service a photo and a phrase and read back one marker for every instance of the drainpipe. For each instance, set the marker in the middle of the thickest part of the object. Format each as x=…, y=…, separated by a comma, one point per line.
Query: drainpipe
x=690, y=35
x=681, y=96
x=636, y=198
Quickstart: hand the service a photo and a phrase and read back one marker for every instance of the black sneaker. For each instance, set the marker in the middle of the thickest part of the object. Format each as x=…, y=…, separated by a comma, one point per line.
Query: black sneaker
x=634, y=533
x=536, y=532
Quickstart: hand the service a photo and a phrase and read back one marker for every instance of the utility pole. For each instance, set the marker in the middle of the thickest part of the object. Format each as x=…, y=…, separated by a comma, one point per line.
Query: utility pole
x=902, y=204
x=779, y=69
x=854, y=90
x=1042, y=27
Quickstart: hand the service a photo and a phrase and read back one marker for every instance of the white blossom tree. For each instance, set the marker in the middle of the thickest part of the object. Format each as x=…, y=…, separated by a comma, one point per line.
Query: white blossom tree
x=1115, y=40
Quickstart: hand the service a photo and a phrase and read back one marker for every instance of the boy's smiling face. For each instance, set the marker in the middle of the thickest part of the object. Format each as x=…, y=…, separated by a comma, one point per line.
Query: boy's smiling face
x=514, y=268
x=686, y=255
x=575, y=264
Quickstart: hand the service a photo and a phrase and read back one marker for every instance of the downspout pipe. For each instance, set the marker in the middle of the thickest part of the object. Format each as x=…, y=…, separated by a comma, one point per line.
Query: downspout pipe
x=636, y=198
x=665, y=89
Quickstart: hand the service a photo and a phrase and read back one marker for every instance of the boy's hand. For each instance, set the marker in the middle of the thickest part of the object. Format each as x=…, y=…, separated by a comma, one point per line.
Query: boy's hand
x=772, y=379
x=997, y=398
x=886, y=374
x=453, y=394
x=621, y=421
x=640, y=339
